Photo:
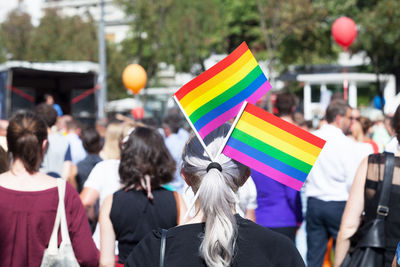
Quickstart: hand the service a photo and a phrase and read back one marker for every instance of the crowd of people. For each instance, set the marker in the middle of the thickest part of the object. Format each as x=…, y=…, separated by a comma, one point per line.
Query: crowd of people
x=127, y=181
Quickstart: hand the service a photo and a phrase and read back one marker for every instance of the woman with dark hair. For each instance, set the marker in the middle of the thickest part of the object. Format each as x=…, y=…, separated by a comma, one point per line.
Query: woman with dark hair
x=29, y=200
x=80, y=172
x=361, y=131
x=142, y=204
x=215, y=236
x=362, y=204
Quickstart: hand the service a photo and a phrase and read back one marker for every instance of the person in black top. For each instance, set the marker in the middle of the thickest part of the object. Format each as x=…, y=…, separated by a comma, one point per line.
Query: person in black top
x=80, y=172
x=92, y=143
x=215, y=236
x=361, y=207
x=142, y=204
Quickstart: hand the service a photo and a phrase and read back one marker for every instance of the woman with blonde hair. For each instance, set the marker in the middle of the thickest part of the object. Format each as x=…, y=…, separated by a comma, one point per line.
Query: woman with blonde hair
x=103, y=180
x=112, y=140
x=216, y=235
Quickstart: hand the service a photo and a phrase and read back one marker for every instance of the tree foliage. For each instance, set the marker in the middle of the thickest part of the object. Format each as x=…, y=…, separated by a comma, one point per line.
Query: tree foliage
x=116, y=62
x=16, y=34
x=63, y=38
x=283, y=32
x=179, y=32
x=379, y=36
x=184, y=33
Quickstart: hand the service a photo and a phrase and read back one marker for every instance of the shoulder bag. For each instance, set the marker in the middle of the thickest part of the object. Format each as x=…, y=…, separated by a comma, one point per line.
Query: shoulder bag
x=370, y=248
x=62, y=256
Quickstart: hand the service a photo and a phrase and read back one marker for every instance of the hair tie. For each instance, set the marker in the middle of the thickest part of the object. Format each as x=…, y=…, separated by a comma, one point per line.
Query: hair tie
x=214, y=165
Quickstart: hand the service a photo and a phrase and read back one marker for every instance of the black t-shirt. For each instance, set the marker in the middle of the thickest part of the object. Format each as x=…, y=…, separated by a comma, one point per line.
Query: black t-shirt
x=133, y=216
x=256, y=246
x=84, y=167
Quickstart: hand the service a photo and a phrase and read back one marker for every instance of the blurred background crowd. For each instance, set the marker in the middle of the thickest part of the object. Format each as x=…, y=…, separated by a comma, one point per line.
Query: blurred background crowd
x=63, y=60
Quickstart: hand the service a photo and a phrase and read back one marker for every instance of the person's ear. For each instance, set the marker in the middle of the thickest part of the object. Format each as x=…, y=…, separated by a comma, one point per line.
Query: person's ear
x=338, y=120
x=167, y=131
x=185, y=177
x=45, y=145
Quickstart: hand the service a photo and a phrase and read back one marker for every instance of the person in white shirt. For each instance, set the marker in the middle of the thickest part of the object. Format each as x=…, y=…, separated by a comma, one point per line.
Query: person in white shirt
x=247, y=197
x=328, y=184
x=57, y=160
x=78, y=152
x=175, y=138
x=102, y=182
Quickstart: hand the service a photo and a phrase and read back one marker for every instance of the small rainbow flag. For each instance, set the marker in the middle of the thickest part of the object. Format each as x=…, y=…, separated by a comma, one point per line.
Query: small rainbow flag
x=273, y=147
x=216, y=95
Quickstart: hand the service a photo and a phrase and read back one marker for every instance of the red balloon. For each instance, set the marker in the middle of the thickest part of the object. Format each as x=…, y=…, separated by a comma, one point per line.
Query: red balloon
x=344, y=31
x=137, y=113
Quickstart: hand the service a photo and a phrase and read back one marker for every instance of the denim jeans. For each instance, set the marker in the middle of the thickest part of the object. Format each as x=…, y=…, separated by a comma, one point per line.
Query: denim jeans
x=323, y=221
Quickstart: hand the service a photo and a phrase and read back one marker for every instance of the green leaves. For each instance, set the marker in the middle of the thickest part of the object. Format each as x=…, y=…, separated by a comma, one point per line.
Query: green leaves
x=16, y=34
x=178, y=32
x=379, y=35
x=63, y=38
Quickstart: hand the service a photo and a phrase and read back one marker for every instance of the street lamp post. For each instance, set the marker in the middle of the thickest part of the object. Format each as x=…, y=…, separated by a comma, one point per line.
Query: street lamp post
x=102, y=80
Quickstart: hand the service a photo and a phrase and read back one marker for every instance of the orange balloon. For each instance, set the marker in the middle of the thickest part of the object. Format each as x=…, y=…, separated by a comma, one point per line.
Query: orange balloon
x=134, y=78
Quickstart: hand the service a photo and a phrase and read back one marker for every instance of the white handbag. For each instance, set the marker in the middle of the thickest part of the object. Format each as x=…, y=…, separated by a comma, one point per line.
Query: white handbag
x=62, y=256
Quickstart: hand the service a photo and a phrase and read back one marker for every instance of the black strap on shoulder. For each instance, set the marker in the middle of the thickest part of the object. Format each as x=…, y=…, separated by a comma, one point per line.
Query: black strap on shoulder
x=162, y=247
x=383, y=209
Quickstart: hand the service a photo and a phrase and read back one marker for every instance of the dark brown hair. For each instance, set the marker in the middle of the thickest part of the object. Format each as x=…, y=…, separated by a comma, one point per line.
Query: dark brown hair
x=366, y=124
x=172, y=121
x=284, y=103
x=46, y=113
x=145, y=153
x=91, y=141
x=25, y=135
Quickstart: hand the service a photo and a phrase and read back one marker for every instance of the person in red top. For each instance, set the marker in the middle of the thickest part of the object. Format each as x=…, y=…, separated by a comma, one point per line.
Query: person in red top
x=29, y=200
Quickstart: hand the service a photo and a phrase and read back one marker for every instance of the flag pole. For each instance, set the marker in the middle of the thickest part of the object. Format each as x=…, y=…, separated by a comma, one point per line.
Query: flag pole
x=232, y=128
x=191, y=205
x=193, y=128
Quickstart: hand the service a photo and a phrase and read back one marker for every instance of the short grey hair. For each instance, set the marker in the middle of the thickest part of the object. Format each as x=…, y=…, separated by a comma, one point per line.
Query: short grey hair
x=336, y=107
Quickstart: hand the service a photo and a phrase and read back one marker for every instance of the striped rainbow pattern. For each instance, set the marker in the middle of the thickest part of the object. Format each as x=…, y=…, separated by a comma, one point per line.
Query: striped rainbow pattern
x=216, y=95
x=273, y=147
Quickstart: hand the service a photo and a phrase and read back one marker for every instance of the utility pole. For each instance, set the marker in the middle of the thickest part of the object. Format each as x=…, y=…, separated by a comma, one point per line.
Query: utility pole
x=102, y=80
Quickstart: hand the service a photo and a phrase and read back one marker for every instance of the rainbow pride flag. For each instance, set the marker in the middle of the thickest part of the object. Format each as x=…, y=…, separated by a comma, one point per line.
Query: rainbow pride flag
x=215, y=96
x=273, y=147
